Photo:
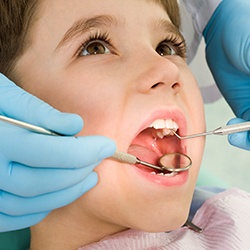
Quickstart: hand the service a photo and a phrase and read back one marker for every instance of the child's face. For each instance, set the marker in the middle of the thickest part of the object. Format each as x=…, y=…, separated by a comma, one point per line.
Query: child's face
x=119, y=92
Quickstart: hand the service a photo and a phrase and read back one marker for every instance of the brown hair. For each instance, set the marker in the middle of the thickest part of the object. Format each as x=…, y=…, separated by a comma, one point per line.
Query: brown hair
x=15, y=24
x=17, y=17
x=172, y=8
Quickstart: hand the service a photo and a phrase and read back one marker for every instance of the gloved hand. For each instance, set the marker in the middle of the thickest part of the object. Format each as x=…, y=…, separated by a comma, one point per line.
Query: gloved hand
x=227, y=37
x=241, y=140
x=39, y=173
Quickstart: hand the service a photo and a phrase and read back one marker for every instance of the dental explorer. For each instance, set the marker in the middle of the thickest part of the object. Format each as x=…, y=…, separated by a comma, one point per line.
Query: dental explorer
x=224, y=130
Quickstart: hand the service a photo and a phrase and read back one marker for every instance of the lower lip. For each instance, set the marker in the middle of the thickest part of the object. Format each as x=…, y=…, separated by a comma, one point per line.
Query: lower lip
x=168, y=181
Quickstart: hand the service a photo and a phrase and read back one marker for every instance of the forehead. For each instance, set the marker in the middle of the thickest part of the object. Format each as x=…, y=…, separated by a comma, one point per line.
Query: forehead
x=58, y=16
x=69, y=9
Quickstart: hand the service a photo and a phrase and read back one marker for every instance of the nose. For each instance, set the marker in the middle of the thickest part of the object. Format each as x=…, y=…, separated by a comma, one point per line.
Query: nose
x=158, y=72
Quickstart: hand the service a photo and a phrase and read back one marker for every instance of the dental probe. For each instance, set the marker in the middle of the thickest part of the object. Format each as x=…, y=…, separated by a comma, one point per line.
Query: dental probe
x=120, y=156
x=224, y=130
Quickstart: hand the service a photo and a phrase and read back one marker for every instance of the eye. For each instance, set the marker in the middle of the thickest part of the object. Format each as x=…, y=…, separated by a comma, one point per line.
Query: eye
x=95, y=48
x=164, y=49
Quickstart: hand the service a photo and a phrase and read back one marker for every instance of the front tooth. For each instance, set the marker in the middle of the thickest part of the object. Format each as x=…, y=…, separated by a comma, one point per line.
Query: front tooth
x=165, y=125
x=170, y=124
x=158, y=124
x=175, y=126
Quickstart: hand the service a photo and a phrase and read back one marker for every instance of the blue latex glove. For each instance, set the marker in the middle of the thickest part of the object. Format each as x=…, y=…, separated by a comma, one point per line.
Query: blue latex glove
x=242, y=140
x=39, y=173
x=227, y=37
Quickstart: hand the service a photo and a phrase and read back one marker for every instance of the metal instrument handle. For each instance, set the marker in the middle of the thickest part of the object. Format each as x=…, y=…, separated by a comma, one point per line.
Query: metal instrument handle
x=233, y=128
x=27, y=126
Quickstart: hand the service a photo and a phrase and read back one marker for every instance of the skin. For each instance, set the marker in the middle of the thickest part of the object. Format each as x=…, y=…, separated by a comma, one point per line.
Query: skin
x=118, y=94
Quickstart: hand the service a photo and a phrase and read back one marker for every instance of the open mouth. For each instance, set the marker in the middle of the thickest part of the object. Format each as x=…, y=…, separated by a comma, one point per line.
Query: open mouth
x=156, y=140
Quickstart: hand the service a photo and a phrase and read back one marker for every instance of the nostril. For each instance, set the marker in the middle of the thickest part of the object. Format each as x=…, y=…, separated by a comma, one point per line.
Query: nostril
x=176, y=86
x=155, y=85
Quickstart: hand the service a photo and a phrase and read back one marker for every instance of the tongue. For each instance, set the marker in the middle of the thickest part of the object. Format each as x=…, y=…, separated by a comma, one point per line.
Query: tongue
x=143, y=153
x=147, y=148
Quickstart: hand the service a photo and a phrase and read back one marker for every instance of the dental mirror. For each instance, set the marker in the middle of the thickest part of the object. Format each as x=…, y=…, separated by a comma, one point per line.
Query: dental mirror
x=168, y=163
x=175, y=162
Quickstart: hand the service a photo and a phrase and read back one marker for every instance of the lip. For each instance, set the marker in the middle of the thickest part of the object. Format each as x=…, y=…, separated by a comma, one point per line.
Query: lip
x=178, y=116
x=177, y=180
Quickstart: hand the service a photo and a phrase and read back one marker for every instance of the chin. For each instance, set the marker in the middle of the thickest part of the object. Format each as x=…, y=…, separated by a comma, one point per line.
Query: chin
x=163, y=221
x=165, y=225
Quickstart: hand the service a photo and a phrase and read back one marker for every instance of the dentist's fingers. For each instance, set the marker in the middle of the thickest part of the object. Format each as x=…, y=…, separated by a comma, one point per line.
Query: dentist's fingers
x=10, y=223
x=240, y=140
x=46, y=151
x=18, y=206
x=26, y=181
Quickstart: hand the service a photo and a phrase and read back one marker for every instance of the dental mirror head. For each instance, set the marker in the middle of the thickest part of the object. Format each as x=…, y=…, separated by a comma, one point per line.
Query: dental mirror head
x=170, y=163
x=175, y=162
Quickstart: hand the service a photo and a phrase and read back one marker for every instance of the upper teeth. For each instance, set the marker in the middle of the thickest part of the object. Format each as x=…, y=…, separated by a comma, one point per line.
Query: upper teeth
x=164, y=127
x=161, y=124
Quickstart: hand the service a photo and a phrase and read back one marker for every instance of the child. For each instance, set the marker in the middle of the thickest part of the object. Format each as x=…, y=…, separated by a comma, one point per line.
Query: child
x=121, y=65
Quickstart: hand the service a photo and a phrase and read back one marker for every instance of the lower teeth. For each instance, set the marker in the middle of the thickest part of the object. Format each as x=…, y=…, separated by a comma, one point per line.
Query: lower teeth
x=166, y=174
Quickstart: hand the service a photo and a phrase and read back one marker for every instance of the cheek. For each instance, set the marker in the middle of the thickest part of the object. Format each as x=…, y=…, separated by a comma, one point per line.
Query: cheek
x=196, y=121
x=194, y=104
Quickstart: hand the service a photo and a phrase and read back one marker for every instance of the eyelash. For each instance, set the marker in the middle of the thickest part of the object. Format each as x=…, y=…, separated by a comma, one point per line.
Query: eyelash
x=103, y=37
x=177, y=43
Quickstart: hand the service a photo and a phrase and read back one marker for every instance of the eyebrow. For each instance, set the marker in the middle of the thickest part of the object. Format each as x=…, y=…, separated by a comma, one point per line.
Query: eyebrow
x=85, y=24
x=167, y=26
